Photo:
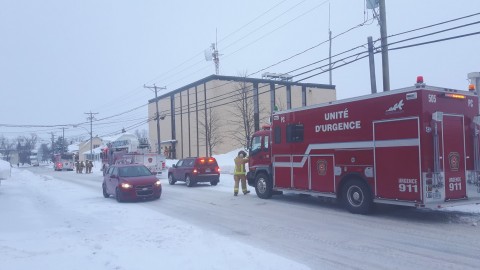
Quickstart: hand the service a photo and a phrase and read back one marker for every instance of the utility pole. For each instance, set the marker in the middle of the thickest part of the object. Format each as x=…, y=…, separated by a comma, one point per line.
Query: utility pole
x=91, y=137
x=216, y=56
x=329, y=47
x=384, y=43
x=371, y=58
x=53, y=146
x=63, y=140
x=157, y=116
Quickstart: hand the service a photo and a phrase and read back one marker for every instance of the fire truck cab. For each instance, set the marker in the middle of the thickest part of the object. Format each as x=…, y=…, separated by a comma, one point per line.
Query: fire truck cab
x=416, y=146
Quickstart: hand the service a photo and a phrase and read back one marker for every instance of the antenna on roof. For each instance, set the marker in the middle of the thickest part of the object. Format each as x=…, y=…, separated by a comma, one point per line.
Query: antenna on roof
x=212, y=54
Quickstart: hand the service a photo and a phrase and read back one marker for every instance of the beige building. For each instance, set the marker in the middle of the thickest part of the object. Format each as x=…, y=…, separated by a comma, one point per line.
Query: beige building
x=186, y=119
x=84, y=149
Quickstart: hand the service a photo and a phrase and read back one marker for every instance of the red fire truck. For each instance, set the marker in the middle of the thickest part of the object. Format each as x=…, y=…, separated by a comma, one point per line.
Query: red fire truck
x=154, y=162
x=63, y=162
x=417, y=146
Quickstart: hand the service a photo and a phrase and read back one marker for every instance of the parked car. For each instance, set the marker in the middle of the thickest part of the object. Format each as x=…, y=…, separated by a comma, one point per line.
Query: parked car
x=194, y=170
x=131, y=182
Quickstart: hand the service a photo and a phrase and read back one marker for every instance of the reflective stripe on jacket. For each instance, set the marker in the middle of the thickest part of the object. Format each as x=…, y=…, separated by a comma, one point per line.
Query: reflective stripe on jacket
x=240, y=166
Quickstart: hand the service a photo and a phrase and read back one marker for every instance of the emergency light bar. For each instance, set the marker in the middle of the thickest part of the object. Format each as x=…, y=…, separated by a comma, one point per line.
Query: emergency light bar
x=456, y=96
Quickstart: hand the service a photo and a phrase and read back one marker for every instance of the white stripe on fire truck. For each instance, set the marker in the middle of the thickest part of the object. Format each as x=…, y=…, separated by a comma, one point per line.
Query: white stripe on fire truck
x=348, y=145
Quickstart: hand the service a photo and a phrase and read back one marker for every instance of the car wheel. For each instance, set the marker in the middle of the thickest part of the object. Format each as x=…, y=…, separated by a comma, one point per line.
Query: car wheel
x=263, y=186
x=214, y=182
x=171, y=180
x=118, y=195
x=357, y=197
x=188, y=181
x=105, y=194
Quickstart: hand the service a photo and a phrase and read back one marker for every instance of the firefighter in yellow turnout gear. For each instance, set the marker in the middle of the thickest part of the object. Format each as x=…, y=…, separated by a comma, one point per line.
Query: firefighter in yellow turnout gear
x=239, y=173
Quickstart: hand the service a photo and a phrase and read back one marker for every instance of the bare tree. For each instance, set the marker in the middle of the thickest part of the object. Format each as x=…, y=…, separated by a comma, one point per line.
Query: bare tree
x=6, y=147
x=243, y=113
x=25, y=145
x=211, y=130
x=142, y=139
x=141, y=134
x=280, y=105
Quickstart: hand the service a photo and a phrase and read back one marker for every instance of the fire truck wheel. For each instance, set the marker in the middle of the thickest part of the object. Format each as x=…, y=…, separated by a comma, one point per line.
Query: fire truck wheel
x=263, y=186
x=171, y=180
x=118, y=195
x=188, y=181
x=105, y=194
x=357, y=197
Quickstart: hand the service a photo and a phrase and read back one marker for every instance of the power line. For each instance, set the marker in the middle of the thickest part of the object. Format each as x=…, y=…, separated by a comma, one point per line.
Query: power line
x=435, y=41
x=358, y=57
x=437, y=32
x=225, y=38
x=436, y=24
x=274, y=30
x=267, y=23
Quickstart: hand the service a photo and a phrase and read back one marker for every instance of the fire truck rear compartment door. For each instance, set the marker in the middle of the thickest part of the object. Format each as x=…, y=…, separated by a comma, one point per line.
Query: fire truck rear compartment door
x=322, y=173
x=397, y=159
x=454, y=156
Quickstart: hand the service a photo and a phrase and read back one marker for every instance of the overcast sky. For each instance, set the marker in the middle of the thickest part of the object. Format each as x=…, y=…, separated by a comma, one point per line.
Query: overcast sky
x=62, y=58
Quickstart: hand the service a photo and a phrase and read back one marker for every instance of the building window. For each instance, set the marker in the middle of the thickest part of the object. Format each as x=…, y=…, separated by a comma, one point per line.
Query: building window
x=295, y=133
x=278, y=135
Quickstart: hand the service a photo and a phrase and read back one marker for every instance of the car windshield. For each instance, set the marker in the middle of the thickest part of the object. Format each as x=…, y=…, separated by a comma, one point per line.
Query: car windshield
x=133, y=171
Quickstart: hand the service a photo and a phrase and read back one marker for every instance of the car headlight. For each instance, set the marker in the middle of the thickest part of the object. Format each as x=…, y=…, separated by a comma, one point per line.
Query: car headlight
x=158, y=183
x=126, y=185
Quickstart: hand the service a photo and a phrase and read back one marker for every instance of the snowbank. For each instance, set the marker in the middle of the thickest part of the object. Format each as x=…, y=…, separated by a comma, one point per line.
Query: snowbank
x=5, y=169
x=61, y=225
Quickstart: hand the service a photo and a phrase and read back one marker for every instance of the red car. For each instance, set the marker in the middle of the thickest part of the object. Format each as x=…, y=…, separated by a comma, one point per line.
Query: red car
x=131, y=182
x=194, y=170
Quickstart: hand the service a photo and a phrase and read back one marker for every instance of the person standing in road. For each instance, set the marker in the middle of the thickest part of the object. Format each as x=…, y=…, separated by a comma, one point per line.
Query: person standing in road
x=82, y=165
x=239, y=173
x=77, y=166
x=90, y=166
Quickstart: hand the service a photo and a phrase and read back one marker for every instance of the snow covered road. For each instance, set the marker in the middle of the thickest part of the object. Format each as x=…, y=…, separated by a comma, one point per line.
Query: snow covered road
x=62, y=218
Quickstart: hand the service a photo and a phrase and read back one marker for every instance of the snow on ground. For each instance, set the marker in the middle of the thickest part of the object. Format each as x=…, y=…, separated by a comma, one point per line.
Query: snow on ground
x=5, y=168
x=51, y=224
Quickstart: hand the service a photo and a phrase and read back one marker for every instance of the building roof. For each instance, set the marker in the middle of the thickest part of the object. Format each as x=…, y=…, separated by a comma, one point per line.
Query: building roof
x=73, y=147
x=241, y=79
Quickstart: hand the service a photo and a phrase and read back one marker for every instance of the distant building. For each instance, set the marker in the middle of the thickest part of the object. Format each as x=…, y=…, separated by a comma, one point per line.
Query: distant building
x=184, y=112
x=86, y=153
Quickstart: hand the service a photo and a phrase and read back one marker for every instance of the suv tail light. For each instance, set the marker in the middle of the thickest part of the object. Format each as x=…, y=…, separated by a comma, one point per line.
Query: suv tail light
x=195, y=170
x=217, y=169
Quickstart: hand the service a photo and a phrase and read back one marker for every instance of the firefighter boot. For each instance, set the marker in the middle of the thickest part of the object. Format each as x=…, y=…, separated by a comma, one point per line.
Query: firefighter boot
x=245, y=192
x=235, y=193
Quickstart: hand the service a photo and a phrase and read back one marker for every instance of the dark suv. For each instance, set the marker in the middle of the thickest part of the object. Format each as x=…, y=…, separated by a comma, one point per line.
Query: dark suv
x=193, y=170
